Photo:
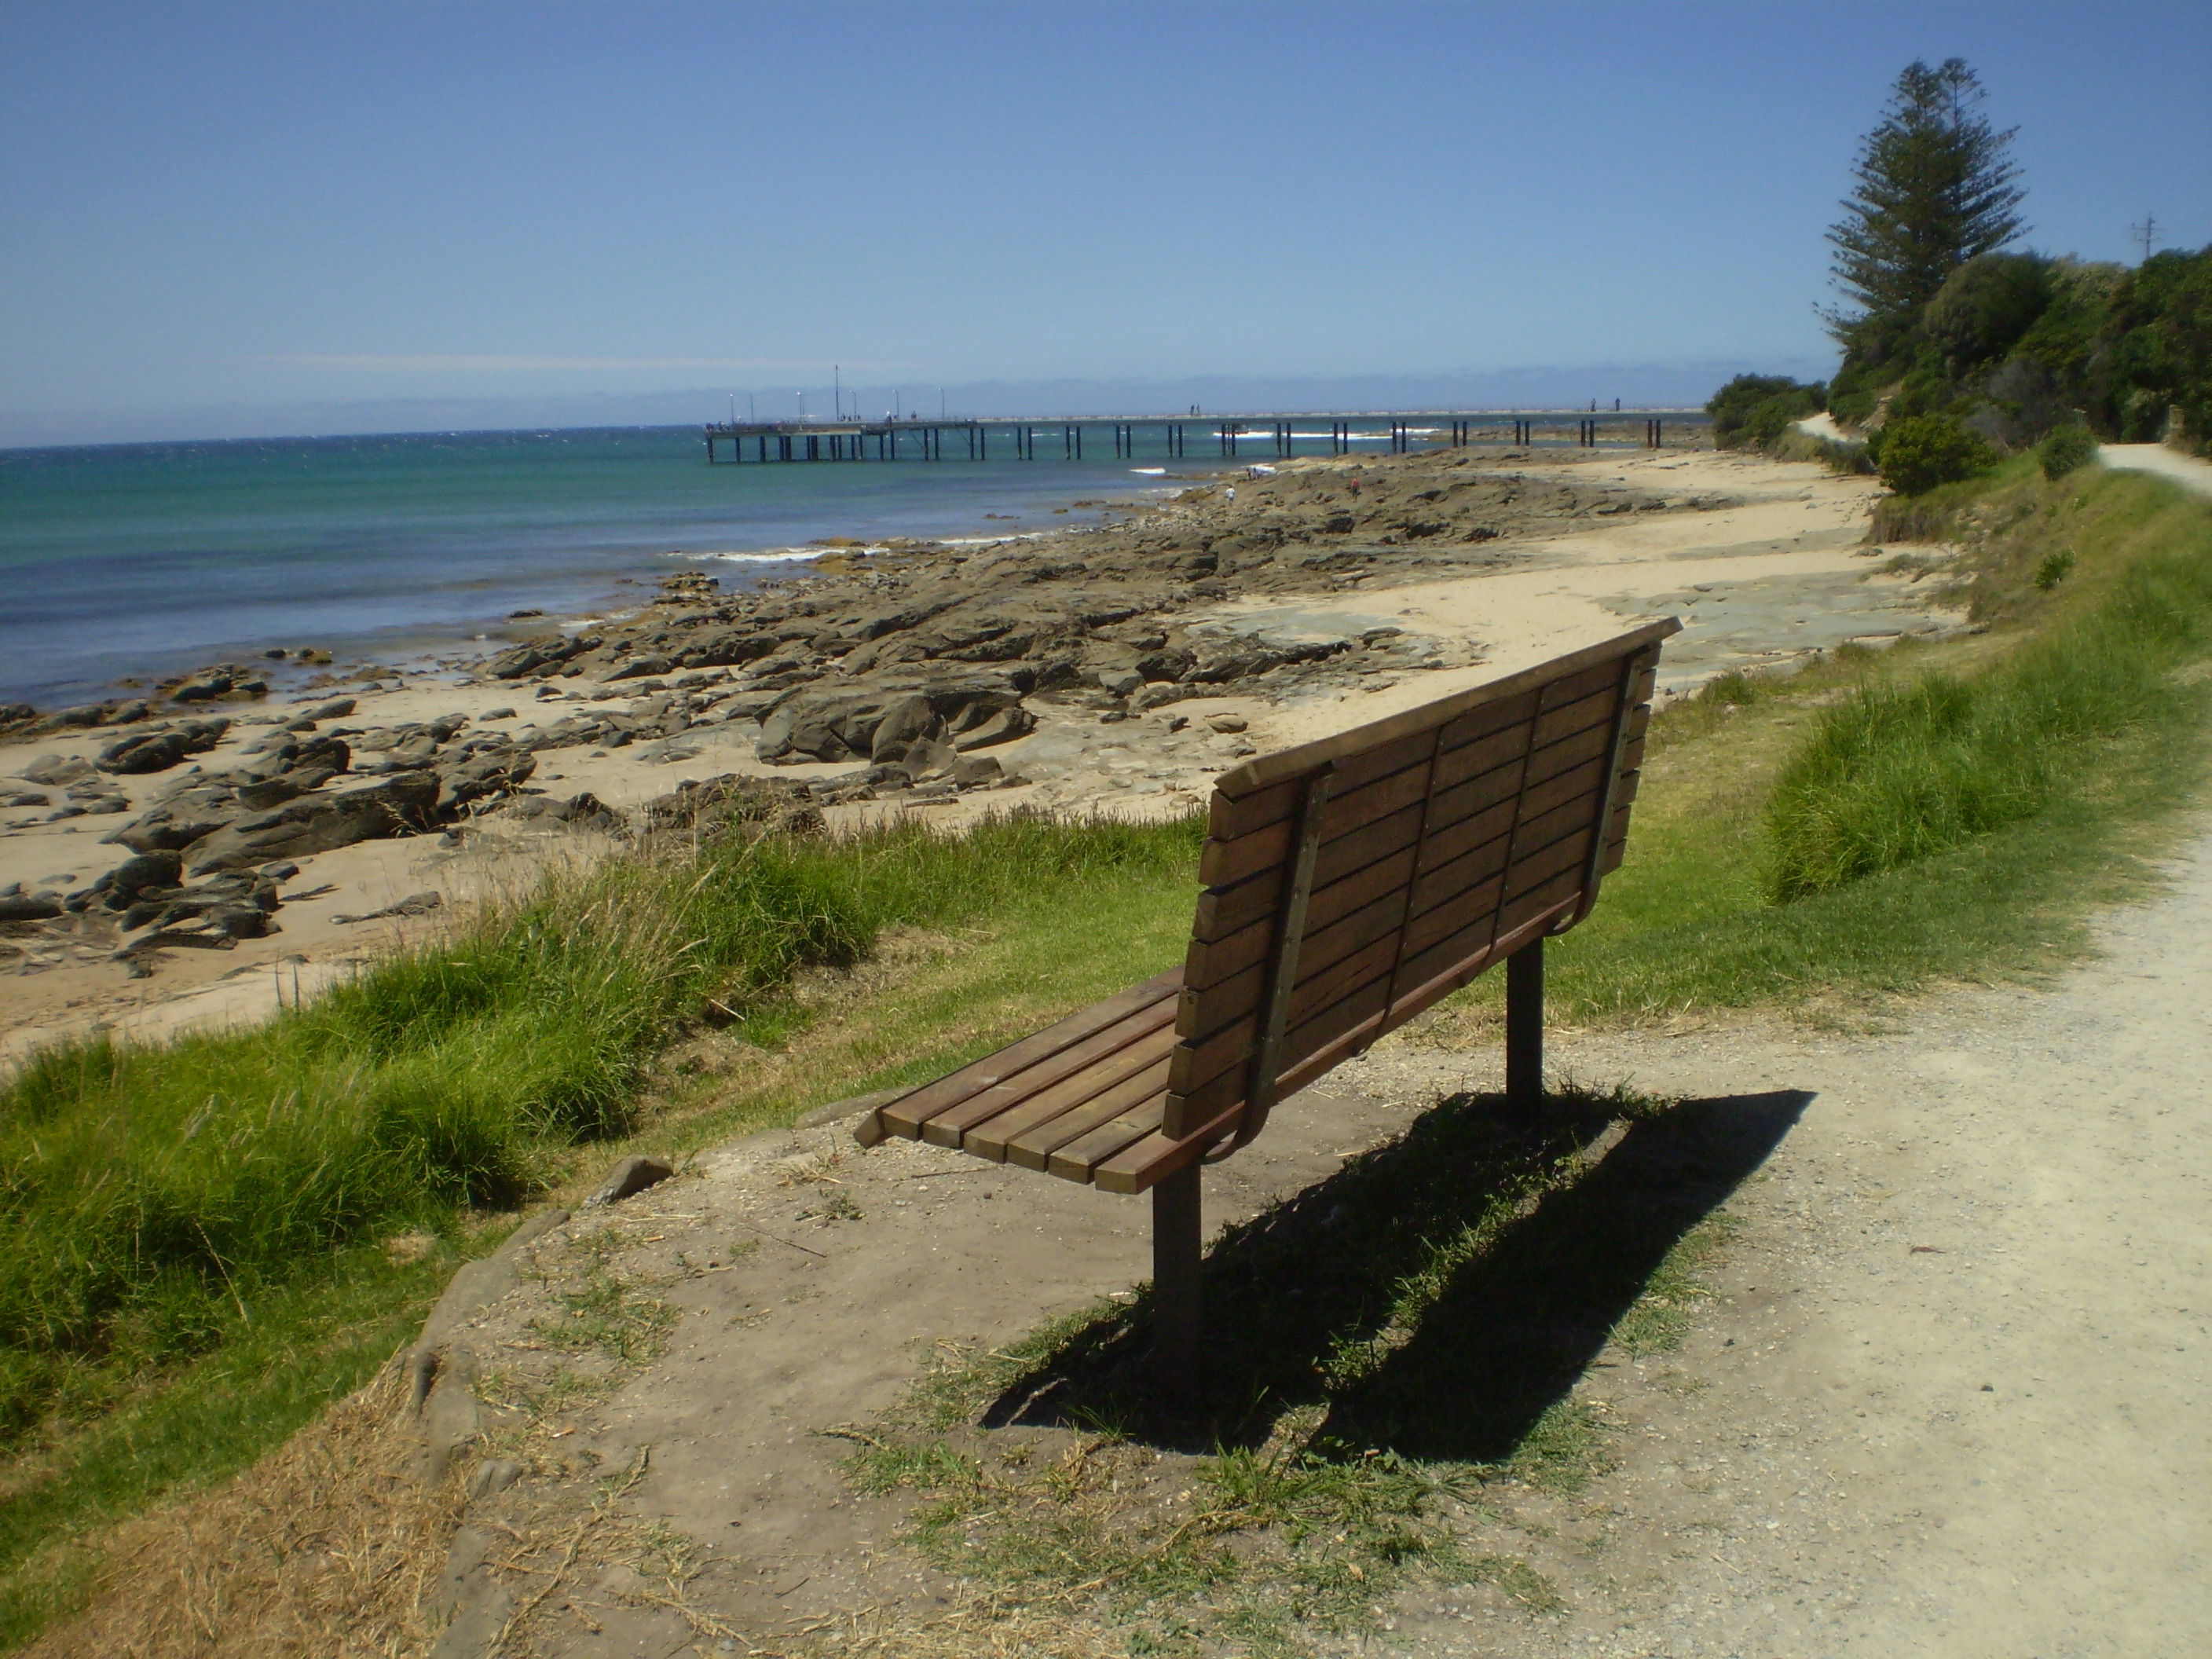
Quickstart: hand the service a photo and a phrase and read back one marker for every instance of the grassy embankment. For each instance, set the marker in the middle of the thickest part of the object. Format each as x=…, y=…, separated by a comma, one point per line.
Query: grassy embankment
x=193, y=1236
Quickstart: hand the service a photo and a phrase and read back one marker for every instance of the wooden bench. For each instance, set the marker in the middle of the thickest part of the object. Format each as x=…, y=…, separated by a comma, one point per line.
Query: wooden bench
x=1349, y=884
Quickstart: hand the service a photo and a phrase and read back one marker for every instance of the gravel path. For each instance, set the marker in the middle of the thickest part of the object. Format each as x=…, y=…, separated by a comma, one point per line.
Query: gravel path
x=1951, y=1400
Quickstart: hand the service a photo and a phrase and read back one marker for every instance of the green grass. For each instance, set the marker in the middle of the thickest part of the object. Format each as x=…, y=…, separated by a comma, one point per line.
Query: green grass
x=170, y=1213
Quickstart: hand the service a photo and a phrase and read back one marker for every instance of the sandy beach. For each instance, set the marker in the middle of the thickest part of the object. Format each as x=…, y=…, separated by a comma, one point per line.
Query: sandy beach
x=1113, y=666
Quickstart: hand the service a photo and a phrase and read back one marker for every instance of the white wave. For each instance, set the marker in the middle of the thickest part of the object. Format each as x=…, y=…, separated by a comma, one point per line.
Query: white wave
x=1150, y=471
x=775, y=556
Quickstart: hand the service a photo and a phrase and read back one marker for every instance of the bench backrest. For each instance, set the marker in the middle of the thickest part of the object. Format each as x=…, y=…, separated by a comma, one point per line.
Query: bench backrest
x=1352, y=882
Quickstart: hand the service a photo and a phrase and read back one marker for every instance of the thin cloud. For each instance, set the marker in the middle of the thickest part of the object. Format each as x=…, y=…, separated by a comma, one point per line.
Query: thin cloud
x=379, y=364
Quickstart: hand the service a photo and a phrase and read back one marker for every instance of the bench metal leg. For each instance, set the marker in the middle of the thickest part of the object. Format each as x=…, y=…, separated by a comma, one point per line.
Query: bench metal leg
x=1524, y=1027
x=1178, y=1307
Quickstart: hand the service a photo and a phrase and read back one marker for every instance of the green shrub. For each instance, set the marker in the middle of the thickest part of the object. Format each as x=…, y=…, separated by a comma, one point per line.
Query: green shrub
x=1919, y=452
x=2068, y=448
x=1751, y=410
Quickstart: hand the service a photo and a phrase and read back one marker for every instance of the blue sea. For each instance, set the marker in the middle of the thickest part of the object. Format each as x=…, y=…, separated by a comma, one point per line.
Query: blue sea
x=146, y=559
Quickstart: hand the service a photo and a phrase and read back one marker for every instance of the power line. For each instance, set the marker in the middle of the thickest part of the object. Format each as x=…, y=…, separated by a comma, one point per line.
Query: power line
x=2145, y=233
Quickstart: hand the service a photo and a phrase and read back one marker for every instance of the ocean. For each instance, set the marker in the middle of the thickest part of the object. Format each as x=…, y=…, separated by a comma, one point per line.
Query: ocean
x=148, y=559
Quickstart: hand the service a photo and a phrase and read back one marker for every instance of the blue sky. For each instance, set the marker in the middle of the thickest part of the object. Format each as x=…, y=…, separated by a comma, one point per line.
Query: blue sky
x=245, y=213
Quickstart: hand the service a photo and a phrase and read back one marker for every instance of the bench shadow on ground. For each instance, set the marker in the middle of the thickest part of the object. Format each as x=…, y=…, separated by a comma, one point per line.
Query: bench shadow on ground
x=1435, y=1296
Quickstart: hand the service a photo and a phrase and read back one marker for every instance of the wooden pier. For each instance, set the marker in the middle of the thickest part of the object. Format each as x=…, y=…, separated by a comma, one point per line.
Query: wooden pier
x=924, y=440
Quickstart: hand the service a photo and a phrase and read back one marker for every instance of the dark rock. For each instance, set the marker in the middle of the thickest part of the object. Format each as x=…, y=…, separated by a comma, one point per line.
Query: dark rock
x=335, y=709
x=17, y=714
x=972, y=771
x=219, y=680
x=24, y=798
x=55, y=770
x=398, y=806
x=728, y=646
x=541, y=655
x=24, y=907
x=832, y=724
x=641, y=667
x=493, y=769
x=584, y=810
x=1001, y=726
x=631, y=1176
x=82, y=717
x=157, y=751
x=178, y=822
x=414, y=904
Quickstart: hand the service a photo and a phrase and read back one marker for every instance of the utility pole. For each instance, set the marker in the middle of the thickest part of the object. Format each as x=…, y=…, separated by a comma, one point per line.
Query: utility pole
x=837, y=392
x=2145, y=233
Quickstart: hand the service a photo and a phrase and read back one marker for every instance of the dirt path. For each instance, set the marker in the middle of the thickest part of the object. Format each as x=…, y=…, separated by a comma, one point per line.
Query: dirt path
x=1947, y=1397
x=2191, y=474
x=1952, y=1398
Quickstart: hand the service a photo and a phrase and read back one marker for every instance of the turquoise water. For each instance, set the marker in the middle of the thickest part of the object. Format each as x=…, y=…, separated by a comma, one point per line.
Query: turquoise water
x=143, y=559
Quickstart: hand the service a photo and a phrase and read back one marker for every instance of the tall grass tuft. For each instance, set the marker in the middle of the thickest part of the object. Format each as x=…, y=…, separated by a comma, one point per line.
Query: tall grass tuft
x=1899, y=772
x=149, y=1196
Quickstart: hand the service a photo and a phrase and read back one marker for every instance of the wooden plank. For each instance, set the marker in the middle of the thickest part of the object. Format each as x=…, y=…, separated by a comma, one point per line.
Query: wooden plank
x=1144, y=1163
x=1595, y=710
x=906, y=1114
x=1234, y=972
x=989, y=1137
x=948, y=1128
x=1258, y=773
x=1588, y=722
x=1222, y=862
x=1223, y=910
x=1033, y=1148
x=1206, y=1012
x=1230, y=818
x=1077, y=1159
x=1457, y=972
x=1215, y=1067
x=1470, y=908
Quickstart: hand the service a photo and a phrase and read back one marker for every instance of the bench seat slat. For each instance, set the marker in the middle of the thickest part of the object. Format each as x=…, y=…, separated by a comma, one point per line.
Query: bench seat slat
x=1080, y=1158
x=1036, y=1148
x=906, y=1114
x=1027, y=1110
x=1154, y=1021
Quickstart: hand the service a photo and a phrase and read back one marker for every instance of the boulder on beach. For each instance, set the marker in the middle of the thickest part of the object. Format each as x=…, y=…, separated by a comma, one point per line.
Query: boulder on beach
x=879, y=724
x=224, y=679
x=159, y=750
x=403, y=803
x=542, y=655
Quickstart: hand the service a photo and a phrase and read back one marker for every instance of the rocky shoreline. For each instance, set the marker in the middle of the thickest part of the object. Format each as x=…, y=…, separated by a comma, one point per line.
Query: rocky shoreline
x=1117, y=663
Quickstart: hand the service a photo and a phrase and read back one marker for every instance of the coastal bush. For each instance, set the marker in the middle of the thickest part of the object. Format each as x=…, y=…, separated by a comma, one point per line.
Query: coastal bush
x=1753, y=410
x=2068, y=448
x=1917, y=452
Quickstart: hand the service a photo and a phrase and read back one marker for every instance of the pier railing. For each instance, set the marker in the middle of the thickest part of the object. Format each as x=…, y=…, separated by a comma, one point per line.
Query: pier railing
x=923, y=439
